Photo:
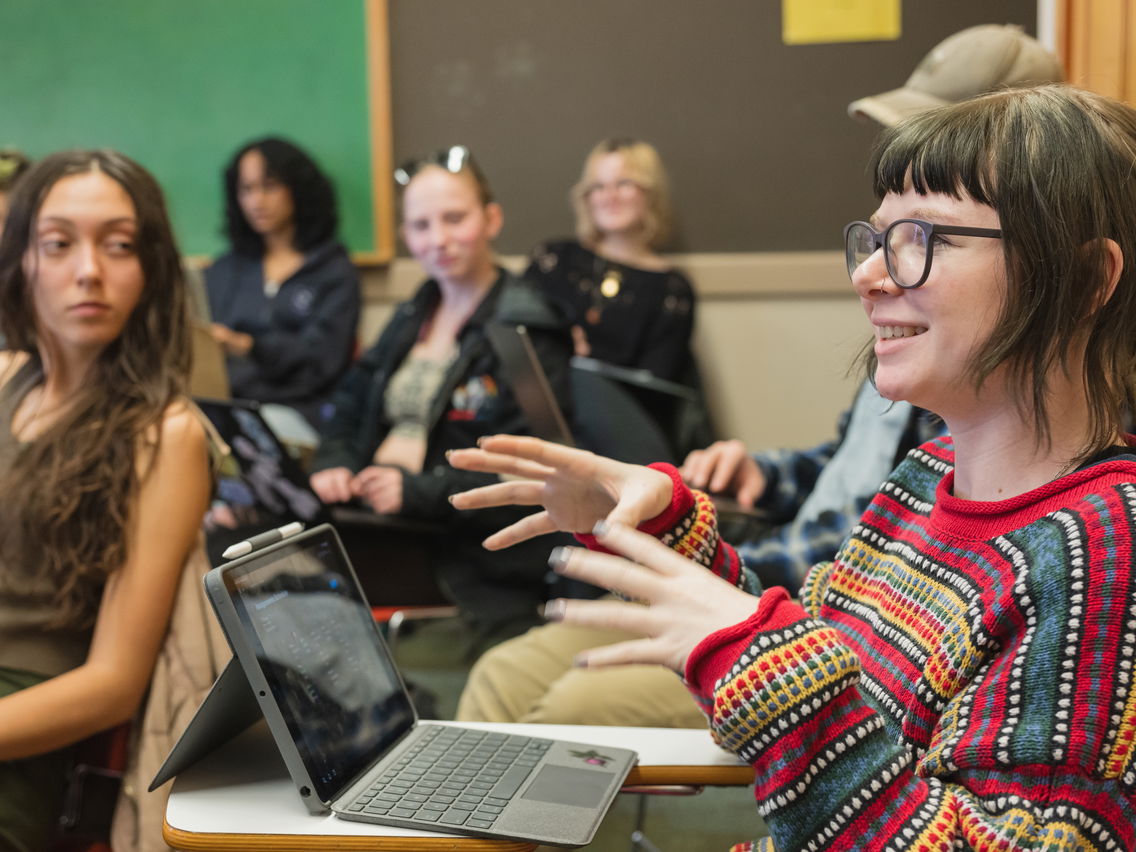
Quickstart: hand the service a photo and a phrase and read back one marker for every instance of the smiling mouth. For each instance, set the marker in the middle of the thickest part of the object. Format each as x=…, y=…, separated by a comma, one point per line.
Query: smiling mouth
x=893, y=332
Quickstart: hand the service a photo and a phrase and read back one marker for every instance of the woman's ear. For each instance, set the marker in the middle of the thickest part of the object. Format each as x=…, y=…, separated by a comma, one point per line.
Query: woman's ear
x=1113, y=266
x=495, y=219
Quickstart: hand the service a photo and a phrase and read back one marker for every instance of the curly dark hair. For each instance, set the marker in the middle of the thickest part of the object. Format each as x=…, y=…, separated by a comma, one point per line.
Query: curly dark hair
x=69, y=491
x=313, y=196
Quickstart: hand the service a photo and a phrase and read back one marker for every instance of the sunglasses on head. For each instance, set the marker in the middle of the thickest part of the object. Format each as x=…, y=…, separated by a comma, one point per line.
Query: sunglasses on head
x=452, y=159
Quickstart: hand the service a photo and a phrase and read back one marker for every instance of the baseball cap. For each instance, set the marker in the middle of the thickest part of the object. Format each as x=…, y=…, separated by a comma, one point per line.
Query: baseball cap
x=968, y=63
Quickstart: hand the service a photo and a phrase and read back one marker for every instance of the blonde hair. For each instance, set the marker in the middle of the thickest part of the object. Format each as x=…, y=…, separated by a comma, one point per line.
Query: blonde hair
x=645, y=167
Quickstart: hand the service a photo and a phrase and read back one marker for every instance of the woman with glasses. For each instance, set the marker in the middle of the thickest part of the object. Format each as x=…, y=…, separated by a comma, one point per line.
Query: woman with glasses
x=285, y=298
x=629, y=307
x=961, y=675
x=433, y=382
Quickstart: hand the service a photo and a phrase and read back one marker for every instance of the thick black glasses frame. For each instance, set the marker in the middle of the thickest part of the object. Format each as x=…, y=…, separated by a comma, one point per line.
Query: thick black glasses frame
x=452, y=159
x=879, y=239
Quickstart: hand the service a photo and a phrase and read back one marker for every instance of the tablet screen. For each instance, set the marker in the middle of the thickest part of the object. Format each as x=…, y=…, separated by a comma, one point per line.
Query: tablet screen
x=322, y=655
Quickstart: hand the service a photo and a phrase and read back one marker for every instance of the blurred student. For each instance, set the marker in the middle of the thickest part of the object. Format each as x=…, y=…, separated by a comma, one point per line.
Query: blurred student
x=433, y=382
x=285, y=297
x=629, y=307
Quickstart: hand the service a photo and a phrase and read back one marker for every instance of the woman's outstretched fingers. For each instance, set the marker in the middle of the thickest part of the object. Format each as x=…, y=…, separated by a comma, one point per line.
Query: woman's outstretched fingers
x=514, y=493
x=642, y=548
x=528, y=527
x=500, y=463
x=531, y=449
x=603, y=569
x=630, y=653
x=621, y=615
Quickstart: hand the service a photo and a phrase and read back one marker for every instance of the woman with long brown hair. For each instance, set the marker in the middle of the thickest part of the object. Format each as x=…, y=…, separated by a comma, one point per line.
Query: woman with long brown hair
x=102, y=465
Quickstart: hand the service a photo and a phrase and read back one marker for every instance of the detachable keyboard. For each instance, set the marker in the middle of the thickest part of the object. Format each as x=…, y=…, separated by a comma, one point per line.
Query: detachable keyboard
x=453, y=776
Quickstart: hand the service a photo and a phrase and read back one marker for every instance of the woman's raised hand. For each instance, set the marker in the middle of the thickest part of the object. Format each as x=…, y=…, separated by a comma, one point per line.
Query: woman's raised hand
x=576, y=488
x=679, y=602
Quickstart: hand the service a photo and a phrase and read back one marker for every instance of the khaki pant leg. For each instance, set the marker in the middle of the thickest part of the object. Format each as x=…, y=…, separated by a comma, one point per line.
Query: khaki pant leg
x=633, y=696
x=511, y=678
x=532, y=679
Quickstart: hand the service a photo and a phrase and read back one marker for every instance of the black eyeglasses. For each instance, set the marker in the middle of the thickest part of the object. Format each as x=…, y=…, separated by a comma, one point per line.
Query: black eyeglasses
x=908, y=244
x=452, y=159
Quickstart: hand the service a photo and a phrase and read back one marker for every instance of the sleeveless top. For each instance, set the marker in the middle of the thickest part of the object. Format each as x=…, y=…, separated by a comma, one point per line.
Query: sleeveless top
x=27, y=600
x=409, y=397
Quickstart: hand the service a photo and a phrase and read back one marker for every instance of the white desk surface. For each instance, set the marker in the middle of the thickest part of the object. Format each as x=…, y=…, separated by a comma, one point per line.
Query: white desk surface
x=243, y=789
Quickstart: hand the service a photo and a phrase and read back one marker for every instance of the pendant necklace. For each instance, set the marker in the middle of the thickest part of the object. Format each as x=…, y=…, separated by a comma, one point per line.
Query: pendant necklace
x=610, y=284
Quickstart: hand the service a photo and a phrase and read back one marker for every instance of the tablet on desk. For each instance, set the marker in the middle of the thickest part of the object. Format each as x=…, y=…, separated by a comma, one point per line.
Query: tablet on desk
x=346, y=728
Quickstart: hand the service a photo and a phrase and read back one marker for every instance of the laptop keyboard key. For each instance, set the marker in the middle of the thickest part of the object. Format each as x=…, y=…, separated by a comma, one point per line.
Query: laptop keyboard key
x=403, y=812
x=454, y=818
x=475, y=822
x=511, y=781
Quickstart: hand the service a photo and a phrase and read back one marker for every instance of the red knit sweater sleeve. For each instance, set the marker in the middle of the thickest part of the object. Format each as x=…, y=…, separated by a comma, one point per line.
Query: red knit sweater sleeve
x=689, y=524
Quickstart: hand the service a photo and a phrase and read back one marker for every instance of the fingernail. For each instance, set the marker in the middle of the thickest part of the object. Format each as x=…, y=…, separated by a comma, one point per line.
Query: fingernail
x=449, y=453
x=451, y=499
x=558, y=558
x=601, y=528
x=554, y=610
x=479, y=440
x=580, y=661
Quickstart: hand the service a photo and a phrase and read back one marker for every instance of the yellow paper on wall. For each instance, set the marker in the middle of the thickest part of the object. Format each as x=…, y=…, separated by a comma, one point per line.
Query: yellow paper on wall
x=818, y=21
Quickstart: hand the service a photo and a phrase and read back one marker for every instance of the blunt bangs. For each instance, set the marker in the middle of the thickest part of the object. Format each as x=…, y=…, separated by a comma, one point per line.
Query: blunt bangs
x=947, y=152
x=1058, y=166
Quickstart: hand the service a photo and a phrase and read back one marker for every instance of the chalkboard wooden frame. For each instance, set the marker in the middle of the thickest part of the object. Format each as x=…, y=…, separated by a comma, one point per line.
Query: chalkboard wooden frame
x=379, y=94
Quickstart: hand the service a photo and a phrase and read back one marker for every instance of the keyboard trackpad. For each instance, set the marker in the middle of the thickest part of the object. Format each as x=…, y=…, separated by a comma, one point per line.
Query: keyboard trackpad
x=564, y=785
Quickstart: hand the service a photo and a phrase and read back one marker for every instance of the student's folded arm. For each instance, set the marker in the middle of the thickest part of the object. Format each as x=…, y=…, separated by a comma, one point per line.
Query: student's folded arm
x=134, y=610
x=313, y=358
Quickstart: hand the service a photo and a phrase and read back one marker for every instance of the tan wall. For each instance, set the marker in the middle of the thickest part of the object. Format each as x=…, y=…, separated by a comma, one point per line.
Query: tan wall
x=775, y=336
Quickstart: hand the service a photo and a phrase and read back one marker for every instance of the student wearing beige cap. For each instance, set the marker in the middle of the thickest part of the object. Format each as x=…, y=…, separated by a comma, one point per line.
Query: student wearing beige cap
x=968, y=63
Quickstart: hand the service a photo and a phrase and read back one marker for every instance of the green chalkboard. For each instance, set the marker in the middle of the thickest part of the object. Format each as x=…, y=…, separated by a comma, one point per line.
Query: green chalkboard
x=180, y=85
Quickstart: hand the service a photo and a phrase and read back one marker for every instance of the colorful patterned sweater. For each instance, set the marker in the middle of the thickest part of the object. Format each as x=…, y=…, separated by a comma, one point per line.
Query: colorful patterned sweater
x=960, y=677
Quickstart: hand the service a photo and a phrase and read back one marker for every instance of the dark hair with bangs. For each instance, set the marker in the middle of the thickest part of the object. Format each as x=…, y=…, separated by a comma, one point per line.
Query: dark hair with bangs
x=1058, y=165
x=313, y=197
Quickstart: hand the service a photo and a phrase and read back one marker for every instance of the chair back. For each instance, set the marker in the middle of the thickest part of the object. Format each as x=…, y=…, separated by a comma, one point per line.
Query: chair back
x=608, y=420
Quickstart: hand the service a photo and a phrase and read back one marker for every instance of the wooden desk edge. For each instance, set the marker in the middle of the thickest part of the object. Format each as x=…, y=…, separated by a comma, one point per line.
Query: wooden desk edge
x=189, y=840
x=709, y=776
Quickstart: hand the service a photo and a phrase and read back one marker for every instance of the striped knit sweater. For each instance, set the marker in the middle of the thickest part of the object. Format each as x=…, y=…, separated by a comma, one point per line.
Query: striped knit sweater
x=960, y=677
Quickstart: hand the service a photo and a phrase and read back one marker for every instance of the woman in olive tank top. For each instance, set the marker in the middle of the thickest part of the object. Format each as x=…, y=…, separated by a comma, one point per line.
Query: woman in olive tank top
x=102, y=464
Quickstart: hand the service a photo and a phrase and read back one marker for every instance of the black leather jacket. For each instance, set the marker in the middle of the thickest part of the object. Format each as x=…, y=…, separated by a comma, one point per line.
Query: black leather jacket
x=473, y=400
